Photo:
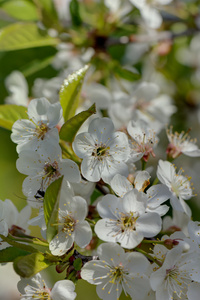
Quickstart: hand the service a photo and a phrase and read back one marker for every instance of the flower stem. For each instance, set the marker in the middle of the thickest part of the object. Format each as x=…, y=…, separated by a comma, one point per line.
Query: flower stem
x=149, y=256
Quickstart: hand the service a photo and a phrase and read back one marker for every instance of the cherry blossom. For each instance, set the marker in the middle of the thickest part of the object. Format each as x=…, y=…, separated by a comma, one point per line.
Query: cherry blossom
x=40, y=128
x=176, y=274
x=143, y=140
x=178, y=184
x=125, y=220
x=181, y=143
x=72, y=226
x=104, y=152
x=117, y=270
x=37, y=288
x=43, y=169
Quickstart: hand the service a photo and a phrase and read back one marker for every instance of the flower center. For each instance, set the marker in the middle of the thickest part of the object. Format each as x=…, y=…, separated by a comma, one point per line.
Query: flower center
x=127, y=222
x=68, y=224
x=116, y=274
x=51, y=170
x=41, y=130
x=42, y=295
x=100, y=151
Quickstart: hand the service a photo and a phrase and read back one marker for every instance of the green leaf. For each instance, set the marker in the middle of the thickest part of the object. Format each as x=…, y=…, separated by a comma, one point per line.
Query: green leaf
x=70, y=128
x=21, y=10
x=78, y=264
x=36, y=65
x=126, y=74
x=31, y=264
x=51, y=204
x=75, y=13
x=24, y=35
x=69, y=92
x=10, y=113
x=11, y=253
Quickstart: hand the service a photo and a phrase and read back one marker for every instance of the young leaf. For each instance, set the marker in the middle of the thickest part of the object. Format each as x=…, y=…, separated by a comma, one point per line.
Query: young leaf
x=11, y=253
x=75, y=13
x=18, y=245
x=22, y=36
x=51, y=204
x=70, y=128
x=69, y=92
x=77, y=264
x=126, y=74
x=9, y=113
x=31, y=264
x=21, y=10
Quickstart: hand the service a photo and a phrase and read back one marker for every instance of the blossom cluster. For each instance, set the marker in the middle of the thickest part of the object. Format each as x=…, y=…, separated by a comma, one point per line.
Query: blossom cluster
x=107, y=196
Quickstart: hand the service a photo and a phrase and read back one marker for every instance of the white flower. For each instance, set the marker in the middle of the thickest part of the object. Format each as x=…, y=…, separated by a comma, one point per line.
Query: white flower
x=176, y=274
x=40, y=128
x=117, y=270
x=194, y=231
x=181, y=143
x=103, y=151
x=143, y=102
x=18, y=88
x=36, y=288
x=48, y=88
x=43, y=169
x=14, y=217
x=178, y=221
x=156, y=194
x=3, y=223
x=178, y=184
x=125, y=220
x=148, y=11
x=72, y=226
x=143, y=140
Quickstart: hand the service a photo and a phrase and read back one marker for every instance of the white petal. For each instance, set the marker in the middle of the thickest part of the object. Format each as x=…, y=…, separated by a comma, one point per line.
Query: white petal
x=193, y=291
x=80, y=209
x=141, y=180
x=82, y=234
x=29, y=163
x=63, y=290
x=37, y=109
x=152, y=17
x=138, y=287
x=101, y=129
x=70, y=170
x=165, y=172
x=109, y=206
x=105, y=231
x=146, y=91
x=136, y=262
x=94, y=271
x=113, y=167
x=157, y=278
x=112, y=253
x=91, y=169
x=158, y=194
x=121, y=185
x=130, y=240
x=134, y=201
x=109, y=291
x=61, y=243
x=83, y=144
x=149, y=224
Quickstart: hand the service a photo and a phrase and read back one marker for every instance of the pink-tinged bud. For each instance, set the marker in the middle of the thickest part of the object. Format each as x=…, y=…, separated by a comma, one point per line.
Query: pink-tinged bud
x=17, y=231
x=169, y=243
x=172, y=152
x=61, y=268
x=93, y=243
